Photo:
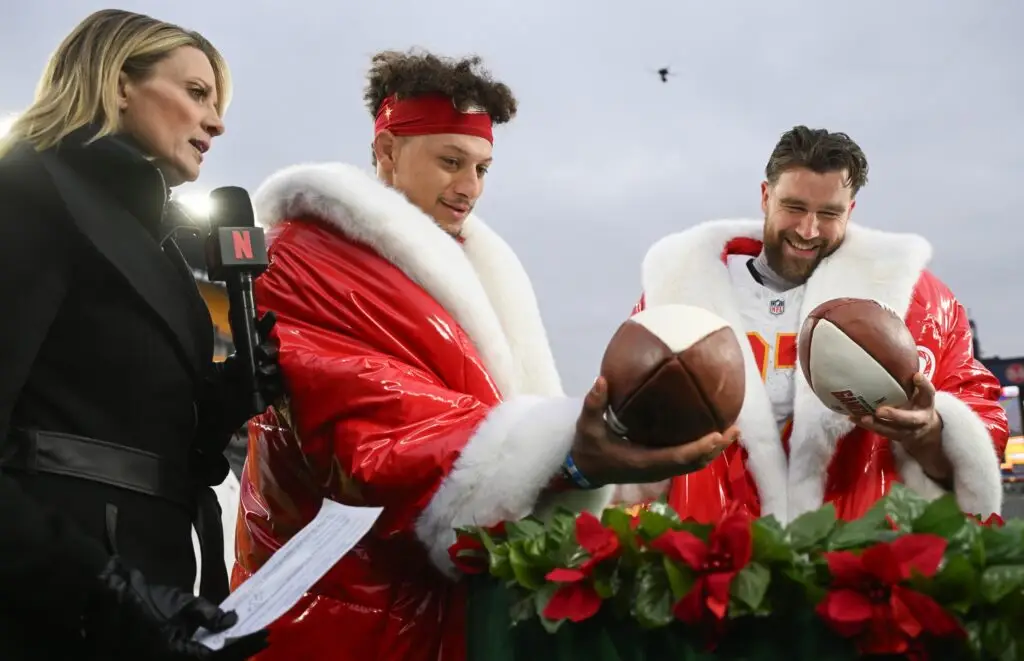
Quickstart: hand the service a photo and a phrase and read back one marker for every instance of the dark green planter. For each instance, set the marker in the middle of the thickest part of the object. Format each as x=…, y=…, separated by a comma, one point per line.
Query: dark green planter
x=788, y=637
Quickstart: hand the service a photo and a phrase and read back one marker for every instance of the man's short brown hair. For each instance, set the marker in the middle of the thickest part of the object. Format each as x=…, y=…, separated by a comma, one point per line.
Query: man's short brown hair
x=820, y=151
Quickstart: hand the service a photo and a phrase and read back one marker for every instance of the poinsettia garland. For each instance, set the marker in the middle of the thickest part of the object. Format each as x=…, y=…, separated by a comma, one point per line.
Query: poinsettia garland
x=909, y=578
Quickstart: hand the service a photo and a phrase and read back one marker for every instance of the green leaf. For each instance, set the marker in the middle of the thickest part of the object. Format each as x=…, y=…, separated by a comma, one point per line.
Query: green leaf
x=974, y=642
x=1000, y=581
x=1015, y=527
x=1002, y=545
x=524, y=609
x=942, y=517
x=955, y=586
x=811, y=528
x=769, y=541
x=903, y=506
x=770, y=522
x=561, y=547
x=966, y=540
x=485, y=539
x=620, y=522
x=499, y=564
x=536, y=549
x=808, y=577
x=860, y=532
x=998, y=640
x=526, y=573
x=540, y=601
x=680, y=579
x=652, y=603
x=656, y=519
x=575, y=555
x=561, y=526
x=751, y=585
x=524, y=529
x=607, y=582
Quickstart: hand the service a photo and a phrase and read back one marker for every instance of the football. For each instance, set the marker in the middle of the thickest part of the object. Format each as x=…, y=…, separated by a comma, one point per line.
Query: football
x=675, y=374
x=857, y=355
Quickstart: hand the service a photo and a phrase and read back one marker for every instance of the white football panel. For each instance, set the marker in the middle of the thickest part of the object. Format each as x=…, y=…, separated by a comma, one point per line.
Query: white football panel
x=845, y=377
x=679, y=326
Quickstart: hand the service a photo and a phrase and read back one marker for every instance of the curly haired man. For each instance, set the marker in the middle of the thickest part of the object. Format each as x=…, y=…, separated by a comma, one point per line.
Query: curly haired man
x=420, y=377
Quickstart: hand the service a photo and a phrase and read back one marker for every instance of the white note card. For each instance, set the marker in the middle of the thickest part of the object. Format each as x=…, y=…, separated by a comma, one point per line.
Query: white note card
x=293, y=569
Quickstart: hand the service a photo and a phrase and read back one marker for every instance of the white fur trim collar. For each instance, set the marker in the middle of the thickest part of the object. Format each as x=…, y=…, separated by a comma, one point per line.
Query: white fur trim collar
x=687, y=268
x=482, y=283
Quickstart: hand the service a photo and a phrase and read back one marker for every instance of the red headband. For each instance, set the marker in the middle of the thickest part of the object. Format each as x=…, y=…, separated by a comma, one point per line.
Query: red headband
x=430, y=114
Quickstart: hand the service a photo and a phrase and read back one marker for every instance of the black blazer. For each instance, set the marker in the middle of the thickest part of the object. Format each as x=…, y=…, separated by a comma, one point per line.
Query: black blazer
x=104, y=335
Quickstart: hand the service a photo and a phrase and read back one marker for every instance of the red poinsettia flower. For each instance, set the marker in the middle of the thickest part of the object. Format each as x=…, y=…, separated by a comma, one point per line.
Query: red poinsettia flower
x=497, y=530
x=717, y=561
x=599, y=542
x=468, y=555
x=576, y=600
x=993, y=520
x=869, y=601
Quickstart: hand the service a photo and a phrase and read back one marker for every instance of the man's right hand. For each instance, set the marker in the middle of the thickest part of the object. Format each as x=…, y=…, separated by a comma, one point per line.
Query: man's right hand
x=127, y=618
x=605, y=458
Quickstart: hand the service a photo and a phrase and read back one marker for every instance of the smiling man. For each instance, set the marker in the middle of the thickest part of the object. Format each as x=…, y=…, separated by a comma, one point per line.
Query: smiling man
x=419, y=375
x=764, y=277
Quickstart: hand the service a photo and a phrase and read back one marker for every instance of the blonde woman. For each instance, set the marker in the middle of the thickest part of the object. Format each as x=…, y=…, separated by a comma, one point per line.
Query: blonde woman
x=112, y=417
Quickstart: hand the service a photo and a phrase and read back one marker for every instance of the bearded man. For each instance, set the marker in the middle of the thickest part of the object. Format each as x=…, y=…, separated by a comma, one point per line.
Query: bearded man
x=764, y=277
x=419, y=374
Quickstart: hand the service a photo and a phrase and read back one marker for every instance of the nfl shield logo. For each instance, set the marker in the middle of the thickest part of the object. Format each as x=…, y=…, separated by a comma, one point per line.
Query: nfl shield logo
x=777, y=306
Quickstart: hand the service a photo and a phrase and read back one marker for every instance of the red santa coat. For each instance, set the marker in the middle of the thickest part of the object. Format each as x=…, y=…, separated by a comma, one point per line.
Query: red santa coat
x=420, y=379
x=827, y=459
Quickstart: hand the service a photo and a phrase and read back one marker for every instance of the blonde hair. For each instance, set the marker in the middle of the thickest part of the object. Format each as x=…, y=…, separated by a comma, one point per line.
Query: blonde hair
x=80, y=83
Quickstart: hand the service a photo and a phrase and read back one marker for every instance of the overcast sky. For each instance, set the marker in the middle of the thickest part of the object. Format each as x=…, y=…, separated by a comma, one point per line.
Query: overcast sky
x=603, y=158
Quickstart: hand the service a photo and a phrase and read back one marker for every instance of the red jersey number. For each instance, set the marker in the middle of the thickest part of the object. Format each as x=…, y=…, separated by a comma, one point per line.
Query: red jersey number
x=784, y=353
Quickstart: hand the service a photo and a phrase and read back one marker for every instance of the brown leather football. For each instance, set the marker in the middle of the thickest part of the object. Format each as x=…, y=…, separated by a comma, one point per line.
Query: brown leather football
x=675, y=374
x=858, y=355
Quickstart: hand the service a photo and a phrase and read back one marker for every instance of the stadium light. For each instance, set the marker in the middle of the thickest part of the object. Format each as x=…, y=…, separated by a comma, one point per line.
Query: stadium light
x=6, y=121
x=198, y=205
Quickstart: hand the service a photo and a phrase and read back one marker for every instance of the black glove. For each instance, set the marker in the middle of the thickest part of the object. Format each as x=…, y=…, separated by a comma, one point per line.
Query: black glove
x=269, y=382
x=130, y=619
x=227, y=403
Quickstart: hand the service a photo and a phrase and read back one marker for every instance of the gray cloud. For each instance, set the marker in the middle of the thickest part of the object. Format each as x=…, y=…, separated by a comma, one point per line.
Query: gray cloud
x=604, y=159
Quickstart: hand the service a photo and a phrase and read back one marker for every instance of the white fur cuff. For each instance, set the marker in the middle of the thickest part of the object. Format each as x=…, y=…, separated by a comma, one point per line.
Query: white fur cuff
x=977, y=481
x=510, y=459
x=634, y=494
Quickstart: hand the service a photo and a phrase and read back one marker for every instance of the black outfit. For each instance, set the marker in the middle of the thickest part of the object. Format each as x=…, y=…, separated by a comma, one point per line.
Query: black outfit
x=113, y=417
x=236, y=452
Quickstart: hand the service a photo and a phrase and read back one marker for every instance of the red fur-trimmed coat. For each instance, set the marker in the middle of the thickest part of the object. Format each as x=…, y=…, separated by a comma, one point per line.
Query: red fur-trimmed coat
x=826, y=458
x=420, y=379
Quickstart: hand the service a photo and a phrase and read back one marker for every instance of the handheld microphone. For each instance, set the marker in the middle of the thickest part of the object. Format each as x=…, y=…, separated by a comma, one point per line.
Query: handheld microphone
x=236, y=253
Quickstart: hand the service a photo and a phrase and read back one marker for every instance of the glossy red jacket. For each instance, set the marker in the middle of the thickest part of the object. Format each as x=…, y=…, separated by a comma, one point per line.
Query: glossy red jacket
x=420, y=380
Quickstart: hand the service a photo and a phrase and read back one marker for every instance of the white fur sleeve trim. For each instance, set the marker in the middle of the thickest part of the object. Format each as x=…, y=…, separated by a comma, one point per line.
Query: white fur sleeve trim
x=977, y=480
x=507, y=463
x=633, y=494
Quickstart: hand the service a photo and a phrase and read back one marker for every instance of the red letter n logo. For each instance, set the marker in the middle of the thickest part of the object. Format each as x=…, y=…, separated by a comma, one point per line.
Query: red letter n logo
x=242, y=242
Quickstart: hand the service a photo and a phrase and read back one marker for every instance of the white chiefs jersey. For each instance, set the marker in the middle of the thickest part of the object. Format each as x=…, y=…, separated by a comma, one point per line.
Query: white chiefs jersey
x=771, y=321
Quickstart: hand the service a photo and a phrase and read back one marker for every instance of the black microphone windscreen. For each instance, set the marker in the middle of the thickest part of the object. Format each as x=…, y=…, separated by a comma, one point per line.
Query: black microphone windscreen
x=231, y=206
